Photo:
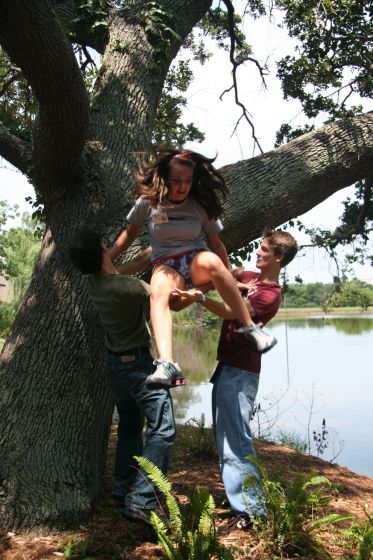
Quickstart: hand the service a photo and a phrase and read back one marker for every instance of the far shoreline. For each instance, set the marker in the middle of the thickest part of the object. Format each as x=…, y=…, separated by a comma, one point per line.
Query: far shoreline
x=295, y=312
x=189, y=319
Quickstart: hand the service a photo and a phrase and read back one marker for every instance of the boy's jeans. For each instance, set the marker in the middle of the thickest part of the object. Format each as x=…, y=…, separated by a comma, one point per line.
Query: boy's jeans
x=135, y=404
x=233, y=397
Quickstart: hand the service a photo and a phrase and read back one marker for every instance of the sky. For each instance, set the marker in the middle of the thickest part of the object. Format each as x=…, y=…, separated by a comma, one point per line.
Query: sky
x=217, y=118
x=269, y=110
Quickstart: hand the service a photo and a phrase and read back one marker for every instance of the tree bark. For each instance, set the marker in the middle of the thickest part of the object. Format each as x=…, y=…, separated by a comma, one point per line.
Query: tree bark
x=15, y=150
x=55, y=408
x=34, y=40
x=283, y=184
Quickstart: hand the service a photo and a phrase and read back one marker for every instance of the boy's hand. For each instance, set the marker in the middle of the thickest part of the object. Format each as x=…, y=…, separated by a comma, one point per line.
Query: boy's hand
x=250, y=284
x=236, y=272
x=187, y=296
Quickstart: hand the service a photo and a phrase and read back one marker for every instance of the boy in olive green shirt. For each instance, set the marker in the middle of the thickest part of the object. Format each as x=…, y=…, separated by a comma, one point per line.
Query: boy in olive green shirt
x=122, y=303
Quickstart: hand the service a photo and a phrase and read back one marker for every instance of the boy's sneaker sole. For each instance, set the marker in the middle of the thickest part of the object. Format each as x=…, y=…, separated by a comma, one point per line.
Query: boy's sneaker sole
x=179, y=382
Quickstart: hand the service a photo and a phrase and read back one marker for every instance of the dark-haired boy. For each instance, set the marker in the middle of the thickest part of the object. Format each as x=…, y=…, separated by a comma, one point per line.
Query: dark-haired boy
x=122, y=303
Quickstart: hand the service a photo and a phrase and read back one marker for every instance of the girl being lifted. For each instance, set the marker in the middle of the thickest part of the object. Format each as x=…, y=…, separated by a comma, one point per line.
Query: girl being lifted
x=179, y=200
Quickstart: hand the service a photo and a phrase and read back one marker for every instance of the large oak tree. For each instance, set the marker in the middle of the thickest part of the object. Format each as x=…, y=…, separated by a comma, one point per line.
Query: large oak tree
x=55, y=409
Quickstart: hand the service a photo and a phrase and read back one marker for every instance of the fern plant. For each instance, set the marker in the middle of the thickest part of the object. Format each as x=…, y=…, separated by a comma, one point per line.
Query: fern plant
x=361, y=536
x=293, y=517
x=77, y=549
x=189, y=534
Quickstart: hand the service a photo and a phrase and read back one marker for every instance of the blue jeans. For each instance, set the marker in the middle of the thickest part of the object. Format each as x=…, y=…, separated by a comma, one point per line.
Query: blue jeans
x=135, y=404
x=233, y=397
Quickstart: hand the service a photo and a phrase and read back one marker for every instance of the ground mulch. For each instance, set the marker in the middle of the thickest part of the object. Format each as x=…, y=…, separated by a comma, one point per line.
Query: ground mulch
x=111, y=537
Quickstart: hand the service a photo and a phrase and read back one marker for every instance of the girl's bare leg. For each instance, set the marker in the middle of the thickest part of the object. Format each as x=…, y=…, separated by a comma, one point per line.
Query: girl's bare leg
x=163, y=280
x=208, y=267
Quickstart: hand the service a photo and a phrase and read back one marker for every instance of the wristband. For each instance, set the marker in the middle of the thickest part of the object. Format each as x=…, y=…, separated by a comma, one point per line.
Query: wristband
x=203, y=299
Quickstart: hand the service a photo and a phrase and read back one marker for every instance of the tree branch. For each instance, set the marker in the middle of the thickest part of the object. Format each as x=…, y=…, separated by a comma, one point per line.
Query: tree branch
x=145, y=56
x=282, y=184
x=15, y=150
x=34, y=40
x=235, y=64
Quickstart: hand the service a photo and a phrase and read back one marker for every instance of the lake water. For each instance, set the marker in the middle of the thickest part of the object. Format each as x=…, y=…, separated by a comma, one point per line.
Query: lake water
x=321, y=368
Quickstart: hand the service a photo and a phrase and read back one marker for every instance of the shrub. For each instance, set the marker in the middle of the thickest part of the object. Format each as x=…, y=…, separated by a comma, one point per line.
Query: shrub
x=7, y=314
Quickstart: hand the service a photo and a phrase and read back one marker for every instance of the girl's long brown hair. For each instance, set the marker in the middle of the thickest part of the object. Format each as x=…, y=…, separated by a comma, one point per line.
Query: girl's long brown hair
x=209, y=188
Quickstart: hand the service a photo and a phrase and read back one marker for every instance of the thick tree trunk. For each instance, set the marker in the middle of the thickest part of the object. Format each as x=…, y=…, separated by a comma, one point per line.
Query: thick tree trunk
x=55, y=408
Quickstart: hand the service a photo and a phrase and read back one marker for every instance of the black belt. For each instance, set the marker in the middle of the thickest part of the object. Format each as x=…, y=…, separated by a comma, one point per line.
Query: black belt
x=138, y=351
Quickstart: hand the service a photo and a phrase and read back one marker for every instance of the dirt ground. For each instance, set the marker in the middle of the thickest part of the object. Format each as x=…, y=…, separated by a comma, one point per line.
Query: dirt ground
x=111, y=537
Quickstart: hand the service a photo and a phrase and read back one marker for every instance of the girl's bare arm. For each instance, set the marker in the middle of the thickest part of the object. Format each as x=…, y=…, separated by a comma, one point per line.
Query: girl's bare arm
x=136, y=265
x=125, y=240
x=218, y=247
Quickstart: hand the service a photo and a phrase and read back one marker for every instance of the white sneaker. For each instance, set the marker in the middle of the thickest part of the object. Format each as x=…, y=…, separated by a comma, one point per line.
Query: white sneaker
x=167, y=374
x=257, y=338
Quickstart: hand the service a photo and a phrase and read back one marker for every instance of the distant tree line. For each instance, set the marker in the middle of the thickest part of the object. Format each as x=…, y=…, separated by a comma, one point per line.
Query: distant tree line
x=338, y=294
x=19, y=247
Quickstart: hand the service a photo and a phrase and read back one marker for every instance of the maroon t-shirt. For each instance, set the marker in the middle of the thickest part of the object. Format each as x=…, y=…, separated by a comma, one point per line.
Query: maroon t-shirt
x=233, y=348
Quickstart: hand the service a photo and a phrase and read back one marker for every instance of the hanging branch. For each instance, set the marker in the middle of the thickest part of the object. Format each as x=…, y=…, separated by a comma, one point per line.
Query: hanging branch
x=88, y=60
x=357, y=228
x=234, y=41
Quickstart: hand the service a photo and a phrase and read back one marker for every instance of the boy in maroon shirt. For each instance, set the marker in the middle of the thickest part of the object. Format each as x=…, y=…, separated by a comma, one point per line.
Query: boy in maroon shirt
x=236, y=377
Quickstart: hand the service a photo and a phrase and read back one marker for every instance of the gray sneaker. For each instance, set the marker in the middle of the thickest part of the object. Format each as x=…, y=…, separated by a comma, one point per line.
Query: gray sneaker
x=167, y=374
x=142, y=514
x=257, y=338
x=239, y=522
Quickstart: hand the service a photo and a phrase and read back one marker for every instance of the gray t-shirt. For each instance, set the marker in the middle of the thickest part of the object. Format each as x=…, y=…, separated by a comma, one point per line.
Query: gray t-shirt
x=174, y=228
x=122, y=303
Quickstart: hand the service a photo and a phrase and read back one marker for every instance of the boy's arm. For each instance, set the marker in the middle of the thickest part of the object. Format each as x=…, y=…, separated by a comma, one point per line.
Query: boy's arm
x=218, y=247
x=221, y=309
x=125, y=240
x=183, y=298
